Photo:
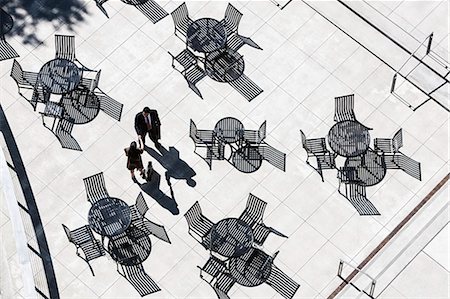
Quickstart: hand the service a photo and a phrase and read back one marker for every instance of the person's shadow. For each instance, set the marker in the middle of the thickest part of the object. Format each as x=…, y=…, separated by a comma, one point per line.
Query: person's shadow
x=170, y=160
x=152, y=188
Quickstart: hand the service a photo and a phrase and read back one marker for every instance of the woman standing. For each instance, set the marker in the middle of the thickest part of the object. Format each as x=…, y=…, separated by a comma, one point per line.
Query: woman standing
x=134, y=159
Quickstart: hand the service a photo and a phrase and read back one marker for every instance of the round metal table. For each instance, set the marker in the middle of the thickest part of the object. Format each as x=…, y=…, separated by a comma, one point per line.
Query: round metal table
x=229, y=130
x=246, y=159
x=81, y=105
x=130, y=248
x=349, y=138
x=60, y=76
x=231, y=237
x=6, y=22
x=224, y=65
x=109, y=216
x=206, y=35
x=370, y=168
x=251, y=269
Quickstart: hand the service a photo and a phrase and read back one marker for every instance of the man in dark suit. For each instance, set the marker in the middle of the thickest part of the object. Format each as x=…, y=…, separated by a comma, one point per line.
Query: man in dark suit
x=147, y=121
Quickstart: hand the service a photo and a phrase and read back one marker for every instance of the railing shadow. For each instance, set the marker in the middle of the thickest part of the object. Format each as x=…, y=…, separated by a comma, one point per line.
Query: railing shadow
x=28, y=14
x=46, y=286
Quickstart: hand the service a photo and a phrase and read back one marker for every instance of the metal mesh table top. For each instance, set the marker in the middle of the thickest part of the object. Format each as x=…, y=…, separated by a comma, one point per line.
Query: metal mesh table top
x=81, y=105
x=231, y=237
x=225, y=65
x=252, y=268
x=370, y=168
x=229, y=129
x=246, y=159
x=6, y=22
x=349, y=138
x=60, y=76
x=130, y=248
x=206, y=35
x=109, y=216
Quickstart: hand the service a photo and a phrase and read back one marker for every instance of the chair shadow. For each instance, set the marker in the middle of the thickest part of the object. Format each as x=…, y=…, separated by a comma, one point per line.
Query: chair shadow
x=152, y=188
x=170, y=160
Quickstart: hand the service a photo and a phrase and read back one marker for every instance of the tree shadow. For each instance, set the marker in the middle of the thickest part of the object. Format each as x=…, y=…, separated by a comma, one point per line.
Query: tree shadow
x=152, y=188
x=170, y=160
x=28, y=14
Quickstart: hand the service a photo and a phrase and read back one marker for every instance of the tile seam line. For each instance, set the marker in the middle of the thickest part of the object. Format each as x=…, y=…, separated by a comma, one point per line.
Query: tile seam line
x=389, y=237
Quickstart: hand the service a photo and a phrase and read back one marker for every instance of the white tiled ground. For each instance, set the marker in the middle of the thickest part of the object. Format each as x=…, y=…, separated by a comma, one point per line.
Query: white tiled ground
x=305, y=63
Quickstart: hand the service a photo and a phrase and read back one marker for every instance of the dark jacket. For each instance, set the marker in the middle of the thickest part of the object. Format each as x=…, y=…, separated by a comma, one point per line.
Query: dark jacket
x=141, y=126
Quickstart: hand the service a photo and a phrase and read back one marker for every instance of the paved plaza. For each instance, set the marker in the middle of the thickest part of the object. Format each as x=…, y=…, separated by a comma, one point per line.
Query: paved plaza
x=286, y=64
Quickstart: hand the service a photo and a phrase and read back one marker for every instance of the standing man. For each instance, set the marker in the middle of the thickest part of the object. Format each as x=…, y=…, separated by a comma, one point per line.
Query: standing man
x=145, y=122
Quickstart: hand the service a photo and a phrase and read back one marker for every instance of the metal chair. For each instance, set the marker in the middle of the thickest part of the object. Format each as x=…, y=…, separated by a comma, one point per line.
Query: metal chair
x=181, y=19
x=283, y=284
x=404, y=163
x=26, y=80
x=273, y=156
x=246, y=87
x=6, y=50
x=237, y=41
x=317, y=147
x=152, y=10
x=139, y=209
x=232, y=19
x=7, y=23
x=193, y=76
x=99, y=4
x=151, y=228
x=355, y=193
x=261, y=232
x=186, y=59
x=255, y=137
x=254, y=210
x=91, y=84
x=223, y=285
x=83, y=239
x=140, y=280
x=65, y=47
x=344, y=108
x=53, y=110
x=63, y=133
x=213, y=268
x=387, y=145
x=199, y=225
x=191, y=71
x=95, y=187
x=204, y=139
x=110, y=106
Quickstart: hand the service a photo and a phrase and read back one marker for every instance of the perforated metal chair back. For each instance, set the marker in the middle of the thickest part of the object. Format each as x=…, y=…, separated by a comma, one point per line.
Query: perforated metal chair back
x=140, y=280
x=68, y=233
x=181, y=19
x=232, y=19
x=246, y=87
x=397, y=141
x=63, y=133
x=344, y=108
x=110, y=106
x=65, y=46
x=6, y=50
x=283, y=284
x=197, y=222
x=254, y=210
x=95, y=187
x=273, y=156
x=356, y=195
x=141, y=204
